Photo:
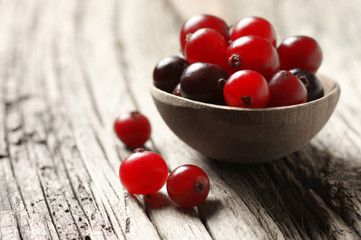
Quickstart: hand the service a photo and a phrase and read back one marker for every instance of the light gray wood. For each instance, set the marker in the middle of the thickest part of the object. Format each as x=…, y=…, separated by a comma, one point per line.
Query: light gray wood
x=68, y=68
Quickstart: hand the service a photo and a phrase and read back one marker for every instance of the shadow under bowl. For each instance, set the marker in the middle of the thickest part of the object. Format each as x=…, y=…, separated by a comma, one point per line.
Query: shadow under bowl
x=243, y=135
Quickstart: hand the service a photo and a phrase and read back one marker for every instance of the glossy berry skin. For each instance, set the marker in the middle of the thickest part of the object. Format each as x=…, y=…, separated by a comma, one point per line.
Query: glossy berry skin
x=206, y=45
x=252, y=53
x=311, y=82
x=286, y=89
x=300, y=52
x=177, y=91
x=203, y=82
x=132, y=128
x=167, y=72
x=255, y=26
x=188, y=186
x=202, y=21
x=143, y=172
x=246, y=88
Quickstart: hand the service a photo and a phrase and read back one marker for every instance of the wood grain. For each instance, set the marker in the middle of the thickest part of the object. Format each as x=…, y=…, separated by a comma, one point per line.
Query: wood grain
x=68, y=68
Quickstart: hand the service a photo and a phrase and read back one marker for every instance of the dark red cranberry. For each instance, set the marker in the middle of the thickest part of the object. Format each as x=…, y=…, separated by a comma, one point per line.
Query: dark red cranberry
x=203, y=82
x=300, y=52
x=188, y=186
x=286, y=89
x=167, y=72
x=311, y=82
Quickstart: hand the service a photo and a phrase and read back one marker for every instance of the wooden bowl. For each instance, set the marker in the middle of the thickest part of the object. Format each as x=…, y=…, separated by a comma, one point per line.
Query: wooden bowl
x=242, y=135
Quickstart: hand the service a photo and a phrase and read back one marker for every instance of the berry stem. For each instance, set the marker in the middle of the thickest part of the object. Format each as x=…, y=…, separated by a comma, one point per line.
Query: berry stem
x=135, y=114
x=235, y=60
x=198, y=187
x=246, y=100
x=137, y=150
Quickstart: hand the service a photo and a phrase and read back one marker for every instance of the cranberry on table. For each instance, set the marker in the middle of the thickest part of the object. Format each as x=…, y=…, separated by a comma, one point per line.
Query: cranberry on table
x=253, y=53
x=203, y=82
x=206, y=45
x=132, y=128
x=167, y=72
x=202, y=21
x=286, y=89
x=300, y=52
x=188, y=186
x=311, y=82
x=246, y=88
x=143, y=172
x=256, y=26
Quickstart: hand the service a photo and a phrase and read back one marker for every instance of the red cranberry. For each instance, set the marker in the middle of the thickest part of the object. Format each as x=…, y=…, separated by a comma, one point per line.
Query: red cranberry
x=255, y=26
x=202, y=21
x=132, y=128
x=188, y=185
x=300, y=52
x=143, y=172
x=253, y=53
x=206, y=45
x=286, y=89
x=246, y=88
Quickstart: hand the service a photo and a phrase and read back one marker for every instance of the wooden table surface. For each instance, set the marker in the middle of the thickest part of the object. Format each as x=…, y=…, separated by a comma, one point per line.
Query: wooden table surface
x=69, y=68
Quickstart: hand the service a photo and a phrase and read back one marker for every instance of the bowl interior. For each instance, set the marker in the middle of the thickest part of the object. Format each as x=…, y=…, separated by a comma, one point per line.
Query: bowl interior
x=244, y=135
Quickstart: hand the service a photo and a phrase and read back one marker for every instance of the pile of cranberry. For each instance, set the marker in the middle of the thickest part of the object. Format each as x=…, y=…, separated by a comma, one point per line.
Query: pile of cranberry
x=241, y=66
x=146, y=172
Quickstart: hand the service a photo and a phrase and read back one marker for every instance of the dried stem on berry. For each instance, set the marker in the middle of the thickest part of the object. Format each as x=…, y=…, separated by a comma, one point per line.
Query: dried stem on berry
x=246, y=100
x=286, y=75
x=137, y=150
x=235, y=60
x=198, y=187
x=135, y=114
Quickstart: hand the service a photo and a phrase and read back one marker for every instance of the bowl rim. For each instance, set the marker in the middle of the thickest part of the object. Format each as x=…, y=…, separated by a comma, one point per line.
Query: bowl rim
x=335, y=88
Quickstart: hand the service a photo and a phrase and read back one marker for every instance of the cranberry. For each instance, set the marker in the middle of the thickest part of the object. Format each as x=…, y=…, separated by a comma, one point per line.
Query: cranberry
x=132, y=128
x=167, y=72
x=203, y=82
x=206, y=45
x=177, y=91
x=188, y=186
x=246, y=88
x=253, y=53
x=286, y=89
x=300, y=52
x=311, y=82
x=256, y=26
x=143, y=172
x=202, y=21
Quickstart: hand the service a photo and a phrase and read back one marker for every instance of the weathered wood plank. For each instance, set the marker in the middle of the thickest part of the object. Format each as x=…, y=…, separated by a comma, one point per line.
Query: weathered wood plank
x=69, y=68
x=126, y=218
